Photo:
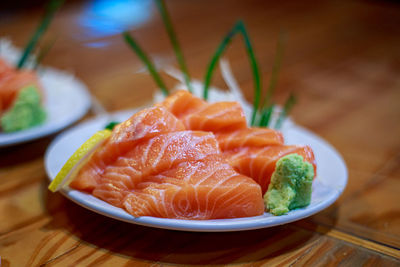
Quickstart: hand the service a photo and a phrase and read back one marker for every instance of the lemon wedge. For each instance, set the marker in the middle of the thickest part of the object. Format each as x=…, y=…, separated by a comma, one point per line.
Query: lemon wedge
x=76, y=161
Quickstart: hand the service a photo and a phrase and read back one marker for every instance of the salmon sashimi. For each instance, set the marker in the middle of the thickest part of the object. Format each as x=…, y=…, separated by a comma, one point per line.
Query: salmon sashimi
x=251, y=151
x=182, y=103
x=248, y=137
x=12, y=81
x=209, y=189
x=152, y=166
x=155, y=155
x=5, y=68
x=196, y=114
x=144, y=124
x=160, y=153
x=216, y=117
x=259, y=162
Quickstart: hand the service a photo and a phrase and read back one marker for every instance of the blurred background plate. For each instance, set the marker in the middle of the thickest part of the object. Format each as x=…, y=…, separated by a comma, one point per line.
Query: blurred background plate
x=66, y=101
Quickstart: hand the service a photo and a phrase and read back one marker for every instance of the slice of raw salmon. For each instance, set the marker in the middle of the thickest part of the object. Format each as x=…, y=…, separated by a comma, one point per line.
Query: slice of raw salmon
x=144, y=124
x=202, y=189
x=5, y=68
x=220, y=116
x=196, y=114
x=12, y=81
x=259, y=162
x=158, y=154
x=182, y=103
x=248, y=137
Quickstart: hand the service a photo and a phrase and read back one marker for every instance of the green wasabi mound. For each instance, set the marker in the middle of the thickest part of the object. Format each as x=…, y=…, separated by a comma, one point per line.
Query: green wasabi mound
x=290, y=186
x=26, y=111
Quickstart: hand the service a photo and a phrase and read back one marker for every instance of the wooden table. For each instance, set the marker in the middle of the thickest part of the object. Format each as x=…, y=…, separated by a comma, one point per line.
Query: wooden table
x=342, y=59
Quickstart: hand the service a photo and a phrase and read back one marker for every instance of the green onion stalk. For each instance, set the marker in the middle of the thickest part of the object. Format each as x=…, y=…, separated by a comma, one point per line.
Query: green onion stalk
x=240, y=28
x=51, y=9
x=287, y=107
x=172, y=36
x=145, y=59
x=267, y=106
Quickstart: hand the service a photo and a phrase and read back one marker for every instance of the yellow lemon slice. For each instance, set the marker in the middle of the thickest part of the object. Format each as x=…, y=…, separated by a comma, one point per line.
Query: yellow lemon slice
x=80, y=157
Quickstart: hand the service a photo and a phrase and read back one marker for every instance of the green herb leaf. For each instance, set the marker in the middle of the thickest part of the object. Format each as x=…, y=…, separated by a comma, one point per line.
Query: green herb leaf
x=52, y=7
x=275, y=70
x=239, y=27
x=145, y=59
x=266, y=116
x=290, y=101
x=214, y=60
x=111, y=125
x=43, y=52
x=172, y=36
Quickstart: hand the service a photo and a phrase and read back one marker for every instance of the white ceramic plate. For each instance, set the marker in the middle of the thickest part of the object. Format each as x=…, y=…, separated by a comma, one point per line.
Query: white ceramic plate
x=328, y=185
x=66, y=100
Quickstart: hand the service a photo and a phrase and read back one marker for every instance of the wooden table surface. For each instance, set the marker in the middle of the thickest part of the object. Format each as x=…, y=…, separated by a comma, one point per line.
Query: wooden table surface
x=342, y=59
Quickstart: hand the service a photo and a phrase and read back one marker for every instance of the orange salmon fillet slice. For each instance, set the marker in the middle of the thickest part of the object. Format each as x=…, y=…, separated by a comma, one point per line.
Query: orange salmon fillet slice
x=209, y=189
x=144, y=124
x=12, y=81
x=196, y=114
x=248, y=137
x=259, y=162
